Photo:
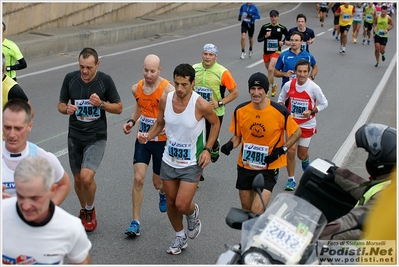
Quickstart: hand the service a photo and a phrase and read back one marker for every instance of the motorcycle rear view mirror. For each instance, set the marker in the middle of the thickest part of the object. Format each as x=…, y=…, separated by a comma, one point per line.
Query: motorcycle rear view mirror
x=236, y=217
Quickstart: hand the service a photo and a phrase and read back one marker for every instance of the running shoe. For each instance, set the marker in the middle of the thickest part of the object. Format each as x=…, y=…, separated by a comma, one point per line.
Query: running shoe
x=343, y=50
x=383, y=57
x=377, y=64
x=215, y=152
x=193, y=223
x=290, y=186
x=274, y=89
x=368, y=42
x=340, y=49
x=322, y=24
x=354, y=41
x=134, y=229
x=179, y=243
x=91, y=221
x=243, y=54
x=364, y=42
x=162, y=202
x=202, y=178
x=333, y=33
x=305, y=164
x=250, y=53
x=82, y=215
x=337, y=38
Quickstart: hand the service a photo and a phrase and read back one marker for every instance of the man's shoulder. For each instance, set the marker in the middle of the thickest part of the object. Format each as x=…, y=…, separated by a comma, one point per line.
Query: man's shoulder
x=198, y=65
x=75, y=73
x=104, y=75
x=279, y=25
x=8, y=42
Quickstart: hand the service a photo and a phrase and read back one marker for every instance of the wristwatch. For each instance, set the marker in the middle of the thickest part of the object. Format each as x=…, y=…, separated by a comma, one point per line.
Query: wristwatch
x=101, y=106
x=8, y=68
x=312, y=77
x=220, y=103
x=285, y=149
x=208, y=149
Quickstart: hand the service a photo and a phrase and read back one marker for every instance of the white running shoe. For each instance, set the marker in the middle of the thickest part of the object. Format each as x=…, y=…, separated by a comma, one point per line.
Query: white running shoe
x=193, y=223
x=250, y=53
x=179, y=243
x=243, y=54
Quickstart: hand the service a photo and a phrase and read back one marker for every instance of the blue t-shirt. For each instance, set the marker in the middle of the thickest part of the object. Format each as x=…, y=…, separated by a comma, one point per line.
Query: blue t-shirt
x=307, y=35
x=287, y=60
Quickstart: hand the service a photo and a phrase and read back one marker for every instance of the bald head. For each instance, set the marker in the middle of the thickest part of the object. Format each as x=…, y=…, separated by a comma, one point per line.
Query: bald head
x=152, y=60
x=152, y=68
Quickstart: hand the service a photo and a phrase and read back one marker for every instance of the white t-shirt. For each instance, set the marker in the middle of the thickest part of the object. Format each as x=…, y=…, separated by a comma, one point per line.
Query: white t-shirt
x=9, y=164
x=63, y=235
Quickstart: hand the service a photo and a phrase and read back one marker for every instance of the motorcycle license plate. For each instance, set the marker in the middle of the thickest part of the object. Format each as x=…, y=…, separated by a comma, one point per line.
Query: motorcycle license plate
x=282, y=237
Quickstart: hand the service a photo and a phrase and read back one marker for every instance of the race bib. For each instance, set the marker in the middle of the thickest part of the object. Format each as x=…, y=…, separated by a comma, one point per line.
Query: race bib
x=369, y=17
x=272, y=45
x=179, y=152
x=346, y=17
x=205, y=92
x=145, y=125
x=303, y=46
x=86, y=112
x=245, y=16
x=254, y=156
x=298, y=106
x=381, y=32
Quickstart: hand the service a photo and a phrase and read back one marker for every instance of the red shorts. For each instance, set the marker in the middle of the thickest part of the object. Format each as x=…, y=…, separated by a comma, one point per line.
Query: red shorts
x=267, y=57
x=306, y=133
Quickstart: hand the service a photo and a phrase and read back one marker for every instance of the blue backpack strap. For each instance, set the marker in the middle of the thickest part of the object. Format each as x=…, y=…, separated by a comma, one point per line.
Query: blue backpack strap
x=32, y=149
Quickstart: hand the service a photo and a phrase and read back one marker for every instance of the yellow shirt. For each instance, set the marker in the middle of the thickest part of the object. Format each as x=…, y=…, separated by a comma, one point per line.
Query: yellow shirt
x=346, y=16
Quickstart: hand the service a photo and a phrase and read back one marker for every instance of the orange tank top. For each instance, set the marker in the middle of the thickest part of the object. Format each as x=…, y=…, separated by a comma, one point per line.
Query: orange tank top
x=149, y=105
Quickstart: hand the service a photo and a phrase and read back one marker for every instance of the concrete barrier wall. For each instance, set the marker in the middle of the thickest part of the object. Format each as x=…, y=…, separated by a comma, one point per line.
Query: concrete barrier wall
x=25, y=17
x=40, y=43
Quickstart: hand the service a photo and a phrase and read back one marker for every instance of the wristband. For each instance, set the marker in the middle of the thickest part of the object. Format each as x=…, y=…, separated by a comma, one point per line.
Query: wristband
x=8, y=68
x=312, y=113
x=208, y=149
x=131, y=120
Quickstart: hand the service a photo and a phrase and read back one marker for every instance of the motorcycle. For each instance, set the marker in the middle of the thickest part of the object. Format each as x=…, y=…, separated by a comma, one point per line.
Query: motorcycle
x=286, y=233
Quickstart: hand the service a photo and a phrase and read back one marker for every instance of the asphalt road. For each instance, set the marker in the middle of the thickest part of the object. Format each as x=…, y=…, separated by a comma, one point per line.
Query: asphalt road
x=348, y=81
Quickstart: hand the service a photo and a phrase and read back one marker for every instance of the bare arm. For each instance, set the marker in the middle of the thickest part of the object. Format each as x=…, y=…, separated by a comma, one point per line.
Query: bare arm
x=204, y=109
x=278, y=73
x=233, y=94
x=293, y=138
x=314, y=71
x=390, y=23
x=63, y=189
x=127, y=127
x=236, y=140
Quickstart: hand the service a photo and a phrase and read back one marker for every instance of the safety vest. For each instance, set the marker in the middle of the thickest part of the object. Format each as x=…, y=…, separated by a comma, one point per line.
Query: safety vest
x=371, y=192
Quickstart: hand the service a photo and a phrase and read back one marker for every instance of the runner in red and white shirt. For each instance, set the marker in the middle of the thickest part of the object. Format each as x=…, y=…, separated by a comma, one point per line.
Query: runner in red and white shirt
x=305, y=100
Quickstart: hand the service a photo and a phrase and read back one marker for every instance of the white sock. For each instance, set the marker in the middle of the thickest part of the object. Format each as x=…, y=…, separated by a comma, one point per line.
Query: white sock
x=292, y=177
x=181, y=233
x=89, y=207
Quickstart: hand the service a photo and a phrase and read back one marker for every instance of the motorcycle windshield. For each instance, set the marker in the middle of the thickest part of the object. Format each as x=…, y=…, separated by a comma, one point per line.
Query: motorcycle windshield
x=285, y=229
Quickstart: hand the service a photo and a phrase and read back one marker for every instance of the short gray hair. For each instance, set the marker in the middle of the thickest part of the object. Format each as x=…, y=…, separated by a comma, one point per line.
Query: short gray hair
x=35, y=167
